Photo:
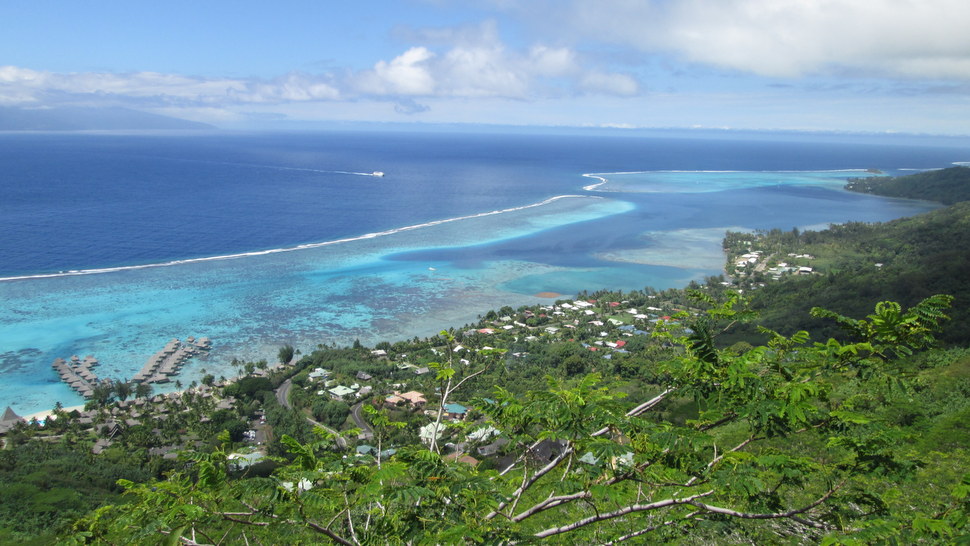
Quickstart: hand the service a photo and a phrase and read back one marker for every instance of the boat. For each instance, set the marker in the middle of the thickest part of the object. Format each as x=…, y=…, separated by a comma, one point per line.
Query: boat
x=377, y=173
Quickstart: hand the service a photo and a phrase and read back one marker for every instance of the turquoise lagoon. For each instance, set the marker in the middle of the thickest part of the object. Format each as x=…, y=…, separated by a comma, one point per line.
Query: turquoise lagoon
x=400, y=278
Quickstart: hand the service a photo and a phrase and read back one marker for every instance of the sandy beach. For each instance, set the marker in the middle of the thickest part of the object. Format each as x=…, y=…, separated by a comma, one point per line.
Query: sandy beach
x=42, y=415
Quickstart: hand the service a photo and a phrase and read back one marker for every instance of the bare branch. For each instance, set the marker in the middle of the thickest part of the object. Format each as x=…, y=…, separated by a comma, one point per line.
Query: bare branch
x=620, y=512
x=554, y=501
x=244, y=521
x=641, y=408
x=520, y=457
x=458, y=386
x=810, y=523
x=728, y=418
x=350, y=520
x=528, y=483
x=717, y=458
x=650, y=529
x=444, y=399
x=525, y=479
x=776, y=515
x=550, y=502
x=329, y=534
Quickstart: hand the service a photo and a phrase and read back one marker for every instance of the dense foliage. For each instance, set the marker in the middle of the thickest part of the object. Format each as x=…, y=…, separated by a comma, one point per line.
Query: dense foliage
x=947, y=186
x=789, y=441
x=858, y=264
x=47, y=485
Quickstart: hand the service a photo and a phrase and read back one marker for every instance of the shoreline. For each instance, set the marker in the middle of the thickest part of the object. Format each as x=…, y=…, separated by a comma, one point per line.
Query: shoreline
x=46, y=414
x=325, y=316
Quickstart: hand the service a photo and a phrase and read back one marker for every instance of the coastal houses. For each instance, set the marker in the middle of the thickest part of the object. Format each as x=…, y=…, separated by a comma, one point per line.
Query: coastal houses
x=341, y=391
x=9, y=420
x=413, y=400
x=456, y=411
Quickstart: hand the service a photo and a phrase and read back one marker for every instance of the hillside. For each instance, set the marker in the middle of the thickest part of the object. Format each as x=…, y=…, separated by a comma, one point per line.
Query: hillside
x=856, y=265
x=947, y=186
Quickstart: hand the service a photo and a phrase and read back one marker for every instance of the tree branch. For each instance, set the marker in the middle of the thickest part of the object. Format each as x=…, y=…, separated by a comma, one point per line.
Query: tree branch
x=641, y=408
x=528, y=483
x=550, y=502
x=234, y=517
x=717, y=458
x=650, y=529
x=776, y=515
x=244, y=521
x=445, y=393
x=620, y=512
x=328, y=533
x=520, y=458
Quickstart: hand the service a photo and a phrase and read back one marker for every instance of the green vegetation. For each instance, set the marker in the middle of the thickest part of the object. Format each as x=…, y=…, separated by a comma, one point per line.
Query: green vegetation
x=947, y=186
x=47, y=485
x=786, y=442
x=856, y=265
x=704, y=415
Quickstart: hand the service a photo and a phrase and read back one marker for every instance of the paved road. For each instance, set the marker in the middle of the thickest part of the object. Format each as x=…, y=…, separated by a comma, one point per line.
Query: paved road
x=283, y=395
x=368, y=432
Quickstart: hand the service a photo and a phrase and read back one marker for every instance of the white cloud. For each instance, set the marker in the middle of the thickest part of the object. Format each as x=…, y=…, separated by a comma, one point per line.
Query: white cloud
x=790, y=38
x=406, y=74
x=552, y=61
x=21, y=85
x=484, y=72
x=291, y=87
x=478, y=64
x=610, y=84
x=461, y=62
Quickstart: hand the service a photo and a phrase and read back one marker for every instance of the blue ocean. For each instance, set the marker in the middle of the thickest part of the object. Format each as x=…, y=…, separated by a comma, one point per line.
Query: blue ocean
x=114, y=244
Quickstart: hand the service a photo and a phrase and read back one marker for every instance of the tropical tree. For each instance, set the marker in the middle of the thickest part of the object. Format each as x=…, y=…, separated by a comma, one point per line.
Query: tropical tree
x=777, y=443
x=123, y=390
x=143, y=390
x=286, y=354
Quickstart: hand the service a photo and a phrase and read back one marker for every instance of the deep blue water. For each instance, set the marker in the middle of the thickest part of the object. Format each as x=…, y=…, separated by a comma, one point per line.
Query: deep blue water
x=461, y=223
x=89, y=201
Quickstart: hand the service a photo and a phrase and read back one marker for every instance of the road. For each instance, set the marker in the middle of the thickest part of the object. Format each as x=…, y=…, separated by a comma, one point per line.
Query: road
x=368, y=433
x=283, y=393
x=283, y=396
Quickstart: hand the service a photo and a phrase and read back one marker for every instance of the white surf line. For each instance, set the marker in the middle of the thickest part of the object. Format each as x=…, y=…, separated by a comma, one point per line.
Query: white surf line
x=603, y=180
x=78, y=272
x=592, y=187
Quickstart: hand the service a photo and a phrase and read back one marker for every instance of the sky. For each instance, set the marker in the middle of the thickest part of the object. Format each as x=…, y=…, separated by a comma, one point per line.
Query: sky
x=805, y=65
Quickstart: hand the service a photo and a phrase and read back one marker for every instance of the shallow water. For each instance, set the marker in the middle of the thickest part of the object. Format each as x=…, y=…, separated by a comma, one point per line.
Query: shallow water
x=386, y=264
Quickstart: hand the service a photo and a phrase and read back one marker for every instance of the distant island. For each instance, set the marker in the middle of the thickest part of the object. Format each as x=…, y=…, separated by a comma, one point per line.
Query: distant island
x=90, y=119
